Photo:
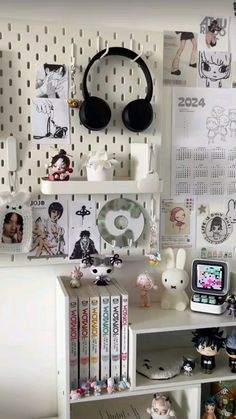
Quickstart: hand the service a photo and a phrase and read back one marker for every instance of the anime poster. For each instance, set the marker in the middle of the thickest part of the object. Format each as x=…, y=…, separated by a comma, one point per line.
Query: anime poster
x=50, y=228
x=213, y=33
x=203, y=142
x=83, y=232
x=177, y=223
x=214, y=69
x=216, y=233
x=180, y=58
x=50, y=121
x=51, y=81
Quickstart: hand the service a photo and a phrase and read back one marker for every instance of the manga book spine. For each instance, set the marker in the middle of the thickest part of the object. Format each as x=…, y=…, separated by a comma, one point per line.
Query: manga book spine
x=115, y=337
x=73, y=329
x=105, y=337
x=83, y=338
x=94, y=338
x=124, y=335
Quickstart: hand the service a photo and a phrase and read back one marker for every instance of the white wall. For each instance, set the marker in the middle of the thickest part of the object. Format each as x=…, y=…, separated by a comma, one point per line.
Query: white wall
x=27, y=295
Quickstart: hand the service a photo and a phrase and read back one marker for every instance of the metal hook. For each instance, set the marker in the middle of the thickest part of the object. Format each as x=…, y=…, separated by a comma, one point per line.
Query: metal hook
x=113, y=243
x=139, y=55
x=130, y=242
x=106, y=52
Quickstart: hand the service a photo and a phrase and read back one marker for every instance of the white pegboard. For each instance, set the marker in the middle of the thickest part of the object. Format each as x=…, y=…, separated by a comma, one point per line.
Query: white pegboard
x=117, y=80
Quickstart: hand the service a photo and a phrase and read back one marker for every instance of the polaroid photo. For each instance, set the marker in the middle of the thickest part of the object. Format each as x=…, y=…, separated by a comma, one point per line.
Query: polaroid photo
x=50, y=121
x=50, y=228
x=15, y=228
x=51, y=81
x=177, y=223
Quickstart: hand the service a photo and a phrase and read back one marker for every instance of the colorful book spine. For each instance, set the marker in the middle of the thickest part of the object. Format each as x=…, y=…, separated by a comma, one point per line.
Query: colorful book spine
x=115, y=332
x=73, y=332
x=105, y=333
x=124, y=329
x=94, y=326
x=83, y=300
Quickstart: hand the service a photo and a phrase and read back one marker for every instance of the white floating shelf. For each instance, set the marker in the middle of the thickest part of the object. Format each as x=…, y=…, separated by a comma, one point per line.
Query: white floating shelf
x=84, y=187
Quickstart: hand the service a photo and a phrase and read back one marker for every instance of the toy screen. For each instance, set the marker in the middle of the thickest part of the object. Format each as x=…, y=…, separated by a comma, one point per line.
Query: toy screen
x=210, y=277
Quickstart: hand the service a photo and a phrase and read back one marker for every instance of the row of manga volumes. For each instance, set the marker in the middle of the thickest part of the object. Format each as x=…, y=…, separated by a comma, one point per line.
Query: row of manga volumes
x=98, y=327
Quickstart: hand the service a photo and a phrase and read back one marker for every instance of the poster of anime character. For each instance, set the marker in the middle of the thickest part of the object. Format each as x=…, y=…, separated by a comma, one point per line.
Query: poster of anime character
x=214, y=69
x=214, y=33
x=84, y=238
x=50, y=230
x=177, y=223
x=180, y=58
x=50, y=121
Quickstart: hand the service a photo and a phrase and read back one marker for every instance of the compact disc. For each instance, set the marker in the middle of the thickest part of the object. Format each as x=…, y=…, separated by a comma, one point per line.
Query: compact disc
x=121, y=221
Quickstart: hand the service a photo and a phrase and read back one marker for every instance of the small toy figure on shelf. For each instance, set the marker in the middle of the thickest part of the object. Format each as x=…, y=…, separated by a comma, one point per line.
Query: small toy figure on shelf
x=98, y=386
x=59, y=168
x=75, y=275
x=110, y=385
x=175, y=280
x=101, y=266
x=76, y=394
x=230, y=347
x=85, y=387
x=123, y=384
x=209, y=406
x=161, y=407
x=208, y=343
x=145, y=283
x=231, y=307
x=188, y=366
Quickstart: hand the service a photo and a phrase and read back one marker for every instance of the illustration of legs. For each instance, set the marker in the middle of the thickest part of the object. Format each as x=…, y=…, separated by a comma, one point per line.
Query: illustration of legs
x=193, y=61
x=175, y=63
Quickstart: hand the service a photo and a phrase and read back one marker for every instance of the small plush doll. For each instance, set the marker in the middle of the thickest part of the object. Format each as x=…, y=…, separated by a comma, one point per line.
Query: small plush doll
x=230, y=347
x=59, y=168
x=208, y=343
x=101, y=266
x=161, y=408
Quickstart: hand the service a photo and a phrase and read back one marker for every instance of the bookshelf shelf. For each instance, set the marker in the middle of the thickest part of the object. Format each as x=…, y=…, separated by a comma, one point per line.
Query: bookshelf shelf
x=83, y=187
x=149, y=330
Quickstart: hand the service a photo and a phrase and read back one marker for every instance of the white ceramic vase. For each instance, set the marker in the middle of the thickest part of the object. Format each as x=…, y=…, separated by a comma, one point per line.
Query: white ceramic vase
x=99, y=174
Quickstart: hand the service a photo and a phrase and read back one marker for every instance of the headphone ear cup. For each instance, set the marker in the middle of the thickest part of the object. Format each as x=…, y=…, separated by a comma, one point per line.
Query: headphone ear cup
x=138, y=115
x=94, y=113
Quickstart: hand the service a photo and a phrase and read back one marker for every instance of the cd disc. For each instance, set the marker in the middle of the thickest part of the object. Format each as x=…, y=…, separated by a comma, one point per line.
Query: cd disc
x=120, y=221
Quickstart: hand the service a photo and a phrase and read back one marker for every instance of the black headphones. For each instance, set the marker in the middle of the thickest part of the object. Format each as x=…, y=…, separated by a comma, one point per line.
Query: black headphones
x=95, y=113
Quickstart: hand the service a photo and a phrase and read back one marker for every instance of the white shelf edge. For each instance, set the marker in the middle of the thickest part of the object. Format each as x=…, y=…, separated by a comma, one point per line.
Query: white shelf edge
x=84, y=187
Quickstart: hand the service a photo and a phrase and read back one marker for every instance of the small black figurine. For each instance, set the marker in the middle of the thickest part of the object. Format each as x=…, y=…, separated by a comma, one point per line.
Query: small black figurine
x=208, y=343
x=230, y=347
x=231, y=307
x=188, y=366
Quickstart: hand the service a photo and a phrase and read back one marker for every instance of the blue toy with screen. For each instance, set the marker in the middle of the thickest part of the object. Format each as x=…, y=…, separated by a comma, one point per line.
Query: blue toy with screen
x=210, y=284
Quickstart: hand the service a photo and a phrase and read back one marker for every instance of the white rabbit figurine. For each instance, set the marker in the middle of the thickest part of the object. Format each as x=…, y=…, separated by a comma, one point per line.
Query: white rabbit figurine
x=175, y=280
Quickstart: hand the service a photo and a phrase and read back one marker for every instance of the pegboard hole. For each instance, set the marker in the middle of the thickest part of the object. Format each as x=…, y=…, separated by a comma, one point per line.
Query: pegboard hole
x=37, y=57
x=45, y=48
x=18, y=37
x=27, y=47
x=9, y=27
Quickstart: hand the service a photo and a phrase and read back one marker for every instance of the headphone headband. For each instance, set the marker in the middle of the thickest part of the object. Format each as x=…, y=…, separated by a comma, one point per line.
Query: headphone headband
x=125, y=53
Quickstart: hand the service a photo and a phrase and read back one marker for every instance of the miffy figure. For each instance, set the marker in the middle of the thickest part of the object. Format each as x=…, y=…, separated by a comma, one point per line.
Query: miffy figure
x=175, y=280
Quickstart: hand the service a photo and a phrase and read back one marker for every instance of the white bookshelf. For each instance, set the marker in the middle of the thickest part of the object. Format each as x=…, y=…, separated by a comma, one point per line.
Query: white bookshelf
x=146, y=325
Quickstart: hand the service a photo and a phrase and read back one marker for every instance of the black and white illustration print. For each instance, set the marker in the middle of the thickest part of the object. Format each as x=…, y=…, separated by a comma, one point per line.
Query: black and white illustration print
x=214, y=33
x=83, y=232
x=50, y=121
x=51, y=81
x=214, y=69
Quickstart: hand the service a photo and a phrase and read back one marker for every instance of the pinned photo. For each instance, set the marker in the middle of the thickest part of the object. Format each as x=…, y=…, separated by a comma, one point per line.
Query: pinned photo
x=51, y=81
x=214, y=33
x=50, y=121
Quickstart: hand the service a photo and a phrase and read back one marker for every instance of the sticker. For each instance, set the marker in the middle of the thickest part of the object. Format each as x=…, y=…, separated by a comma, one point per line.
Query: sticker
x=216, y=228
x=231, y=213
